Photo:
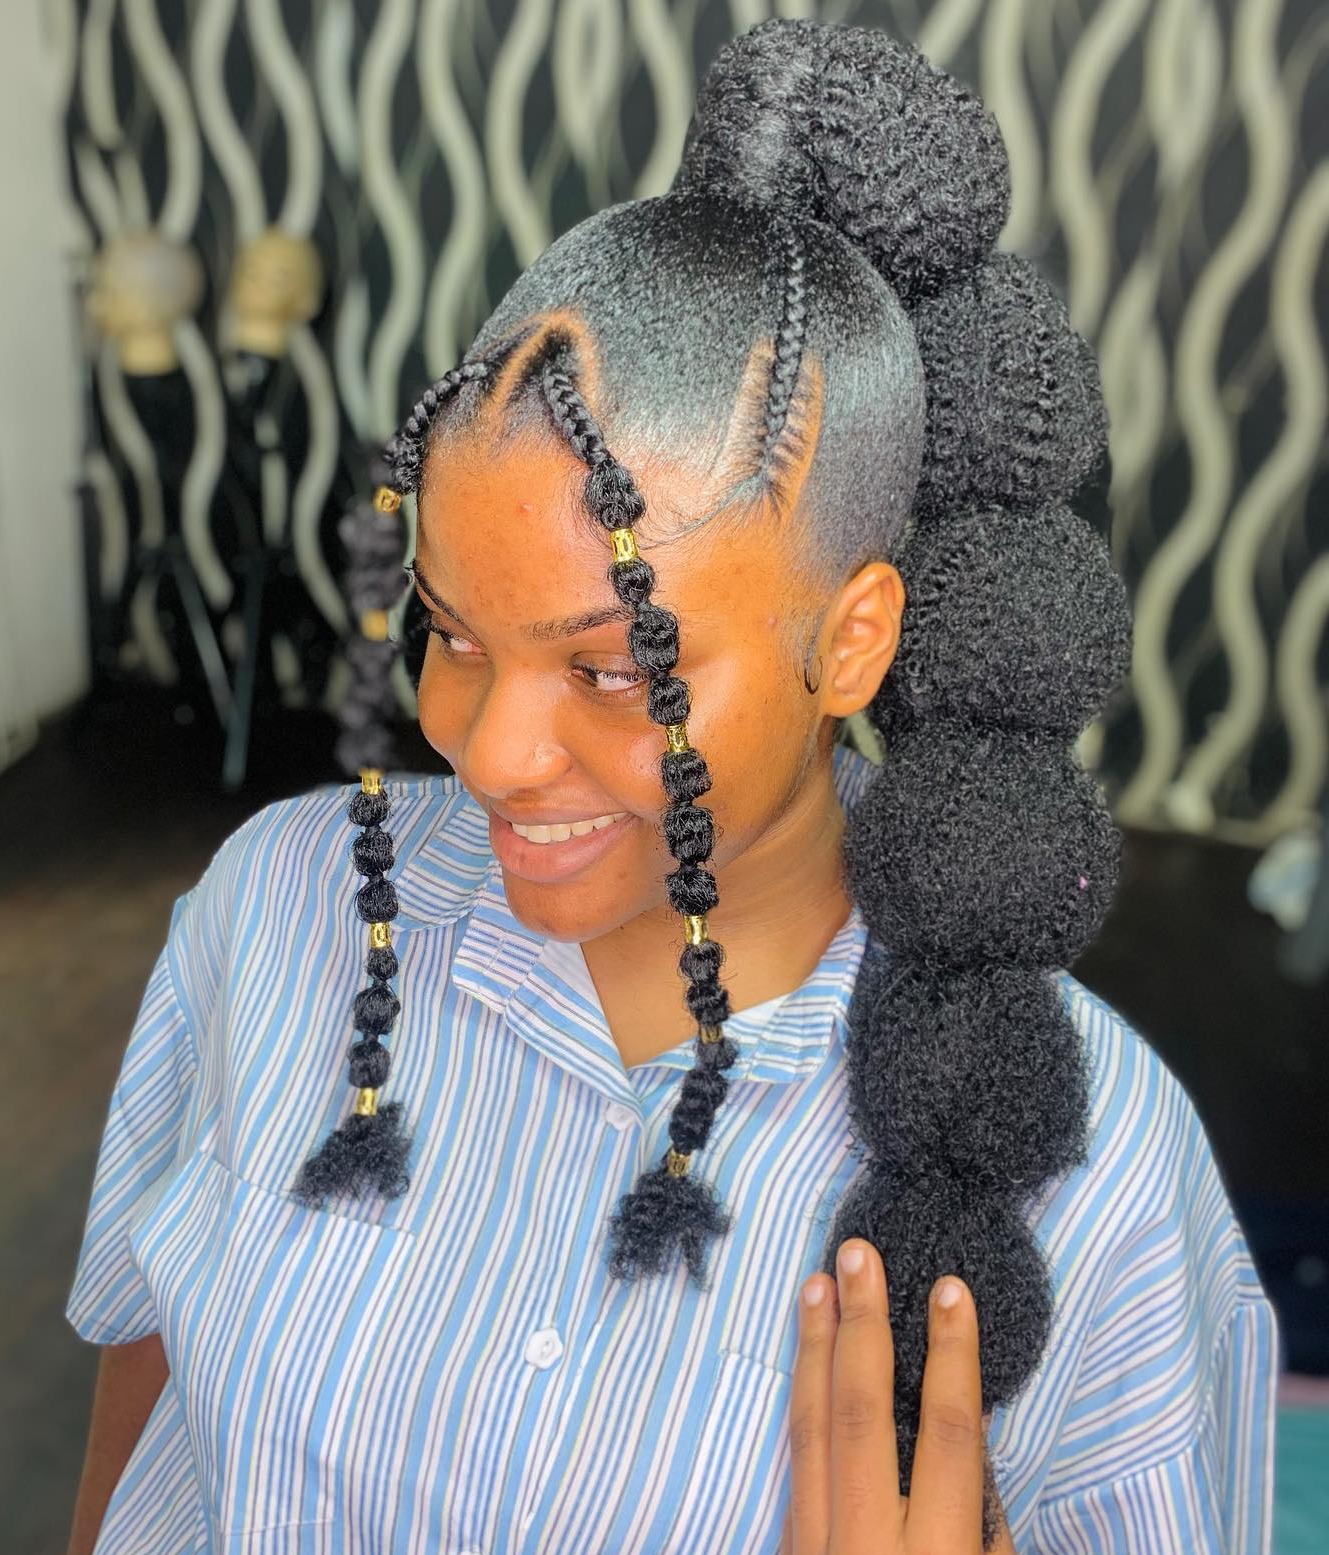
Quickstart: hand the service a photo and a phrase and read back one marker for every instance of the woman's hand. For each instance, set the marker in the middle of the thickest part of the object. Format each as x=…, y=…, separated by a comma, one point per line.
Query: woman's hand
x=846, y=1483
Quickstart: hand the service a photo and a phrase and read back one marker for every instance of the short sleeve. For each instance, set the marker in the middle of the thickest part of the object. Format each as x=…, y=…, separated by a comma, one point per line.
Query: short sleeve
x=109, y=1303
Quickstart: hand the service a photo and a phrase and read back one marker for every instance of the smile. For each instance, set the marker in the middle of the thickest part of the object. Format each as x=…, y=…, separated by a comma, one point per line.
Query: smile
x=555, y=850
x=560, y=831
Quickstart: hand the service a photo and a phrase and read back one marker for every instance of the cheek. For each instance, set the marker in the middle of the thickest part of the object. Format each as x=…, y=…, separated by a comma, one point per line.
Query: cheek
x=752, y=732
x=749, y=730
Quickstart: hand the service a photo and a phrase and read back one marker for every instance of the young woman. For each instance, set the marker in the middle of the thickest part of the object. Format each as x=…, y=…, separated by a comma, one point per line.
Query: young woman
x=724, y=469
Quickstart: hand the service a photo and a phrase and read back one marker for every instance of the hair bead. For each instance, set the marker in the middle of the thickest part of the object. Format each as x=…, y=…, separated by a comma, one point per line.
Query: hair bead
x=374, y=625
x=371, y=780
x=366, y=1103
x=677, y=736
x=387, y=499
x=677, y=1162
x=694, y=926
x=380, y=936
x=625, y=545
x=711, y=1033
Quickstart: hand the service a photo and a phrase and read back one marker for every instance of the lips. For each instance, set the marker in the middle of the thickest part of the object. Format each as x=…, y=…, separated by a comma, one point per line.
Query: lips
x=545, y=862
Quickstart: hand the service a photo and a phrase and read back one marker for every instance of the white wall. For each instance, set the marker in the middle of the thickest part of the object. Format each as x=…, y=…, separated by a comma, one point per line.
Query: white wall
x=43, y=630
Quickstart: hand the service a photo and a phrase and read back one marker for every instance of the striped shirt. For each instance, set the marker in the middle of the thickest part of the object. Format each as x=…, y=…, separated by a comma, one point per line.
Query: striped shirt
x=454, y=1371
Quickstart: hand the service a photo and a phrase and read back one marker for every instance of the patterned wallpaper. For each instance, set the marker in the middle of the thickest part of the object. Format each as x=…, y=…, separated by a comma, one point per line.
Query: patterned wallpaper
x=1169, y=172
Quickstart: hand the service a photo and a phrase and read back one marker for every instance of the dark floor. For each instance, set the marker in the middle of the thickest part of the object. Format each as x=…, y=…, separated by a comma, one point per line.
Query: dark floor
x=117, y=812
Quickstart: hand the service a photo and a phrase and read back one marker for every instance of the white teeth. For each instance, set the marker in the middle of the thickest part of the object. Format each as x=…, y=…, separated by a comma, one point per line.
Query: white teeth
x=560, y=831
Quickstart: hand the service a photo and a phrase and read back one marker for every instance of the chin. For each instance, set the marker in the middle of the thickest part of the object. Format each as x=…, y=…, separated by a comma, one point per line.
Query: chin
x=560, y=912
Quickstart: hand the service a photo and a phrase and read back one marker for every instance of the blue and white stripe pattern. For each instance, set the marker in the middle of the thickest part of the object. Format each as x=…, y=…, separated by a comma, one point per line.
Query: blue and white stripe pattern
x=453, y=1371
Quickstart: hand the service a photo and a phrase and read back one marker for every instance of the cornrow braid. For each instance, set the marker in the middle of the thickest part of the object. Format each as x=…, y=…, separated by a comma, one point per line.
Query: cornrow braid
x=790, y=335
x=368, y=1150
x=405, y=452
x=668, y=1210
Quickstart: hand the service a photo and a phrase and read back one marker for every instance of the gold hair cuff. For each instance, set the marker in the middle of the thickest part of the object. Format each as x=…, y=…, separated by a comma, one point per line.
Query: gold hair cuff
x=711, y=1033
x=694, y=926
x=625, y=545
x=374, y=625
x=677, y=1164
x=371, y=780
x=366, y=1103
x=677, y=735
x=380, y=936
x=387, y=500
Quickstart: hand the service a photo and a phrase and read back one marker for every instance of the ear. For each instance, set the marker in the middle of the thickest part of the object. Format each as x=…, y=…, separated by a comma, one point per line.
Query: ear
x=860, y=636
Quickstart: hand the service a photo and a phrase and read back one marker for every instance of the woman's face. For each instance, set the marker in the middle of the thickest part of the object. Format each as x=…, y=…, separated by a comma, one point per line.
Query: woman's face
x=529, y=692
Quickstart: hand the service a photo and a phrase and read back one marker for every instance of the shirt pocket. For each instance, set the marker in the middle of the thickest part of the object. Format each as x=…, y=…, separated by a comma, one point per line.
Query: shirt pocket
x=267, y=1312
x=737, y=1486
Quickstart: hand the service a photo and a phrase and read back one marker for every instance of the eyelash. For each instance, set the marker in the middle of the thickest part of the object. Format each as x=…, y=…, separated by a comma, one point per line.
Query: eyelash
x=628, y=680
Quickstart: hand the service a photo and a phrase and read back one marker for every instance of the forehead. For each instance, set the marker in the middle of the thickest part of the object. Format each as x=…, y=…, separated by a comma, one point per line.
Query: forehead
x=505, y=527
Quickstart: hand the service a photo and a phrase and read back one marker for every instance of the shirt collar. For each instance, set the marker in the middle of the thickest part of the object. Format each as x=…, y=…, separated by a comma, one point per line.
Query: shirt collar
x=543, y=988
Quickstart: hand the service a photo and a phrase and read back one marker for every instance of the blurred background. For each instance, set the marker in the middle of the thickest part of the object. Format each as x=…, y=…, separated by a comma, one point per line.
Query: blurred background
x=239, y=237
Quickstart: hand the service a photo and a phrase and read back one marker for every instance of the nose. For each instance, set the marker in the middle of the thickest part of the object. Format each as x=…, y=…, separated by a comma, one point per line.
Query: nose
x=511, y=742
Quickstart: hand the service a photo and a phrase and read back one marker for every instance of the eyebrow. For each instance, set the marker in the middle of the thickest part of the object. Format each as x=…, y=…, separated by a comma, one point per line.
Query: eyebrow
x=538, y=631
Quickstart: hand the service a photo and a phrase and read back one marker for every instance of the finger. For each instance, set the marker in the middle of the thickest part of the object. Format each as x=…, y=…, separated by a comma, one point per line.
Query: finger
x=809, y=1518
x=946, y=1487
x=865, y=1481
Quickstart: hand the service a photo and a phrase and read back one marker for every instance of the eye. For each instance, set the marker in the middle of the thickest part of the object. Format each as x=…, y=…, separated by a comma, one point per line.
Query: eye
x=454, y=646
x=607, y=682
x=611, y=682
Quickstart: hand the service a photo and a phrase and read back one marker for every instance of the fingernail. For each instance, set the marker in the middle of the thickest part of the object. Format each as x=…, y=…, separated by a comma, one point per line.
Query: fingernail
x=851, y=1259
x=813, y=1292
x=948, y=1294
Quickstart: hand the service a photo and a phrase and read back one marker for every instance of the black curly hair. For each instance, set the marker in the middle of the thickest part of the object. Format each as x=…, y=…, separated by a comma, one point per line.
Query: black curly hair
x=839, y=200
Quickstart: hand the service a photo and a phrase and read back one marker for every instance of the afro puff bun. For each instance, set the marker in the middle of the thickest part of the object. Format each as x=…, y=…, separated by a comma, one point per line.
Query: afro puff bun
x=852, y=128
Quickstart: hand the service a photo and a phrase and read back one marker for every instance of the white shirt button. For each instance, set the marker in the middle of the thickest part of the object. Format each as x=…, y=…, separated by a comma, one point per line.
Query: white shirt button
x=544, y=1347
x=619, y=1115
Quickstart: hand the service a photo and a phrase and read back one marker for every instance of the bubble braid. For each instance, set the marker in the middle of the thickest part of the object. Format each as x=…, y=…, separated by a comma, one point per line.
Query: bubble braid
x=368, y=1150
x=981, y=856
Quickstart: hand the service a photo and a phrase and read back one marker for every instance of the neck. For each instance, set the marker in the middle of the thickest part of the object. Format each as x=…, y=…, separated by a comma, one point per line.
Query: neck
x=781, y=904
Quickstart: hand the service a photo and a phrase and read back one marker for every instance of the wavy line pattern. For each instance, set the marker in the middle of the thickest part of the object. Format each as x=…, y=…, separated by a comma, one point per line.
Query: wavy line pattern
x=205, y=463
x=1167, y=166
x=509, y=179
x=167, y=86
x=1204, y=418
x=96, y=77
x=244, y=186
x=334, y=45
x=294, y=94
x=463, y=247
x=315, y=480
x=1271, y=488
x=383, y=188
